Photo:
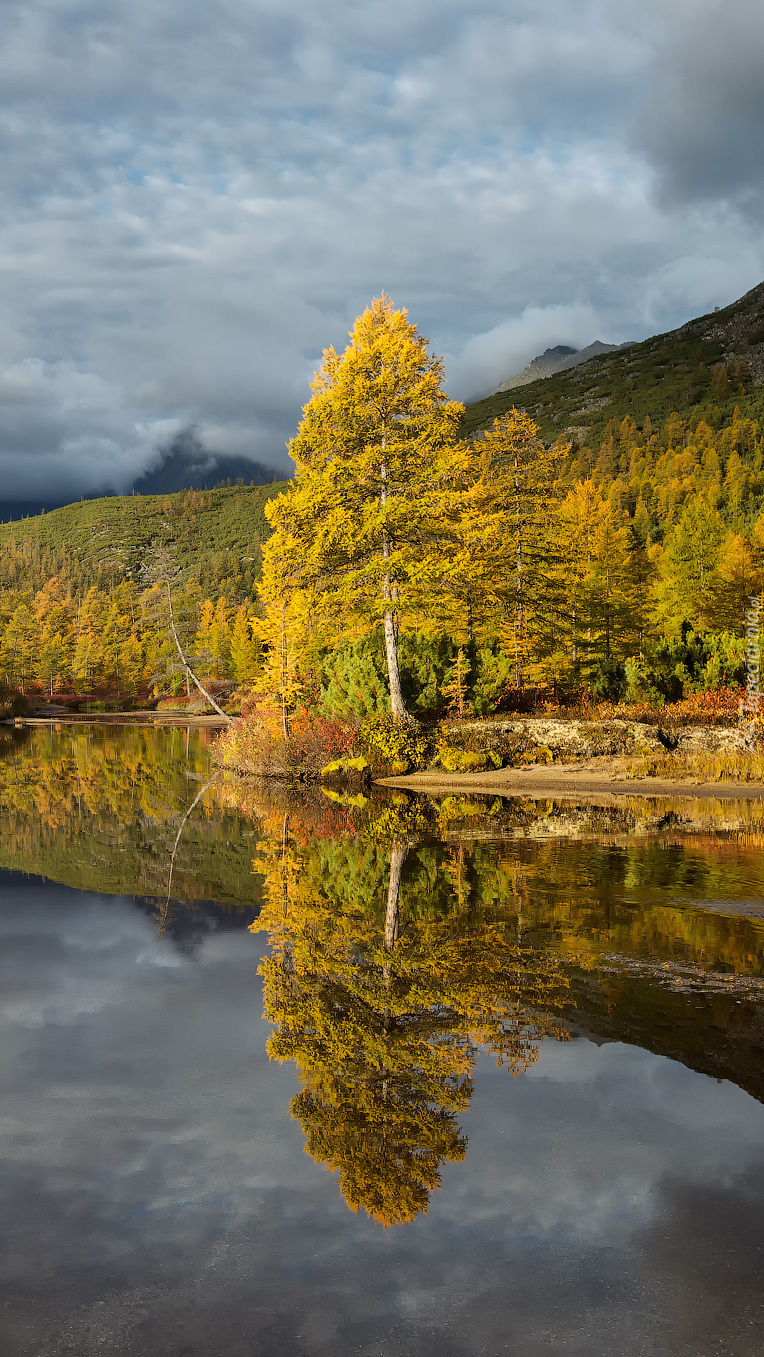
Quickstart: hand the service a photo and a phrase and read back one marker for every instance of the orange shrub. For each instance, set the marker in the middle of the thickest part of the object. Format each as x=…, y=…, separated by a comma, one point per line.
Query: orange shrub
x=256, y=743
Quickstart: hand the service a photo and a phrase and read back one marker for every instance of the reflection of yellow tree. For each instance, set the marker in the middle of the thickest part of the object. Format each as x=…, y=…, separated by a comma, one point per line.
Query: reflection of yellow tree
x=382, y=985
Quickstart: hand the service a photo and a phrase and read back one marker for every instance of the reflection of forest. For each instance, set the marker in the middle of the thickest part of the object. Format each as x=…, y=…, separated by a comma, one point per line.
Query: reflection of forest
x=99, y=807
x=395, y=954
x=511, y=921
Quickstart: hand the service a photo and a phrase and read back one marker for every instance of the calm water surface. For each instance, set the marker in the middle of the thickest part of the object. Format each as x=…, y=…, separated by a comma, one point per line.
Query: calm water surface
x=599, y=1190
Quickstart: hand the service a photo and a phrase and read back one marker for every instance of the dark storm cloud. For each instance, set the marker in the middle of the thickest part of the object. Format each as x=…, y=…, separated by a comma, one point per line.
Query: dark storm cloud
x=198, y=197
x=703, y=128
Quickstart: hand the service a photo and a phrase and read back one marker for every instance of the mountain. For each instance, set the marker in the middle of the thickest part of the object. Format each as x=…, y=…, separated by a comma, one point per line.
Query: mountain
x=184, y=464
x=103, y=541
x=708, y=366
x=558, y=359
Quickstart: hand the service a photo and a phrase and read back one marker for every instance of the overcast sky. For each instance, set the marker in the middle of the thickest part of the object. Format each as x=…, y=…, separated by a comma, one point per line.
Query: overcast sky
x=197, y=196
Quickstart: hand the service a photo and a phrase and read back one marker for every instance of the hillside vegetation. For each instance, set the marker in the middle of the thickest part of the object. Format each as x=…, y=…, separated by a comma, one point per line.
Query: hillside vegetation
x=701, y=370
x=101, y=542
x=83, y=591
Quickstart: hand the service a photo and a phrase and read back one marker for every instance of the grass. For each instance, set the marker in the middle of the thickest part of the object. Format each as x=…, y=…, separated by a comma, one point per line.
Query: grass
x=705, y=766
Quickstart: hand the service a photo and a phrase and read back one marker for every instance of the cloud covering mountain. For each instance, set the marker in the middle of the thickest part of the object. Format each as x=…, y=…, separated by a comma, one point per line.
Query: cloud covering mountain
x=197, y=197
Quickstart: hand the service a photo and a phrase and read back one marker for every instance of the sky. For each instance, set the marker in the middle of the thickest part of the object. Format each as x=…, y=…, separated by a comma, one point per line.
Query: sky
x=198, y=196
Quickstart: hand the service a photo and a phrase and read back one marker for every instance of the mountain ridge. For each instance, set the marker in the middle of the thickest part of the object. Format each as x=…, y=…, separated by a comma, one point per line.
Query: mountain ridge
x=557, y=359
x=668, y=372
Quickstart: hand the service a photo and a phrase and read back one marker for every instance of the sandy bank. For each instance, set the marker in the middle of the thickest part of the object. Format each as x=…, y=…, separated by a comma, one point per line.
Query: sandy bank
x=600, y=778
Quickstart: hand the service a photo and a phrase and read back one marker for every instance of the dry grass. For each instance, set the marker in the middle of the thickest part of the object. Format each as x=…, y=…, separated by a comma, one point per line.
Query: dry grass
x=717, y=708
x=706, y=766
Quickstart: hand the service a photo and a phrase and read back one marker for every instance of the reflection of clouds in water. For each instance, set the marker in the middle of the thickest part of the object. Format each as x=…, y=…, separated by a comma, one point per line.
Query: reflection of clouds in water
x=150, y=1163
x=83, y=957
x=609, y=1124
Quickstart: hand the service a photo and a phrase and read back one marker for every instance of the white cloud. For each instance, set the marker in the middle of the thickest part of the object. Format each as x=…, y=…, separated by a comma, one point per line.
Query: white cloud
x=489, y=358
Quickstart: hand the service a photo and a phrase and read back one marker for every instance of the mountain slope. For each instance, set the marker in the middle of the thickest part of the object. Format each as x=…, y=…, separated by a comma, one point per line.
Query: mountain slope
x=715, y=362
x=103, y=541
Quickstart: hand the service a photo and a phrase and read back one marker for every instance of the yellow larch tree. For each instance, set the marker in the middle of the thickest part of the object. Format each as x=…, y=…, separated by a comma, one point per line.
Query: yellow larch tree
x=363, y=531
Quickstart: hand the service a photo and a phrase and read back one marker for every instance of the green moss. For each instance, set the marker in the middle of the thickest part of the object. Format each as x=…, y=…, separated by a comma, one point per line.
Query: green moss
x=461, y=760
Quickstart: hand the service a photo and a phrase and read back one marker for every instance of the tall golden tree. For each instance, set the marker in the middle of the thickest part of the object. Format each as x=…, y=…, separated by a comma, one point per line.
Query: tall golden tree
x=363, y=529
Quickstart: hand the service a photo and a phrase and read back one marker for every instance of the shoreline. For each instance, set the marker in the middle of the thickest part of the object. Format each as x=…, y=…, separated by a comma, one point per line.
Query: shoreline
x=599, y=778
x=118, y=718
x=579, y=783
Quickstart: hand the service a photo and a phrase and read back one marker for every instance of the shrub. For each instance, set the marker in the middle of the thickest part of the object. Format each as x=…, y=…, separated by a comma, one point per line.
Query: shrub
x=462, y=760
x=493, y=679
x=354, y=685
x=256, y=743
x=392, y=745
x=353, y=681
x=315, y=741
x=607, y=679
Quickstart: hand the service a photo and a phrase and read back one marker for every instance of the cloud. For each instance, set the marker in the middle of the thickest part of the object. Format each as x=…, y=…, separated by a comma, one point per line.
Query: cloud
x=198, y=198
x=490, y=358
x=702, y=124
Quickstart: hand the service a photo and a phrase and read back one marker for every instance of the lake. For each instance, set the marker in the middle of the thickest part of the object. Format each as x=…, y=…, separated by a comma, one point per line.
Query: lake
x=507, y=1095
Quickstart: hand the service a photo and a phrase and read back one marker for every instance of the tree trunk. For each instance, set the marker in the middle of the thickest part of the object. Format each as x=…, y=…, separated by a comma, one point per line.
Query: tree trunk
x=397, y=701
x=187, y=666
x=390, y=592
x=392, y=916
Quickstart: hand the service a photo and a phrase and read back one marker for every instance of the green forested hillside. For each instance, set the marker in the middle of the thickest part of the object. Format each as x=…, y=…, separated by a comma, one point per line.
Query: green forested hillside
x=82, y=609
x=702, y=370
x=101, y=542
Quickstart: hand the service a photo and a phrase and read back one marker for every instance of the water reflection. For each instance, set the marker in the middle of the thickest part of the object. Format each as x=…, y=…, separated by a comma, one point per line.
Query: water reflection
x=156, y=1198
x=101, y=807
x=389, y=966
x=399, y=948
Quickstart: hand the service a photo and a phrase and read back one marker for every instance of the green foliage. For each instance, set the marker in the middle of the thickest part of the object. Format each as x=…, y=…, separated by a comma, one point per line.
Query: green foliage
x=694, y=662
x=492, y=677
x=354, y=680
x=607, y=679
x=425, y=662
